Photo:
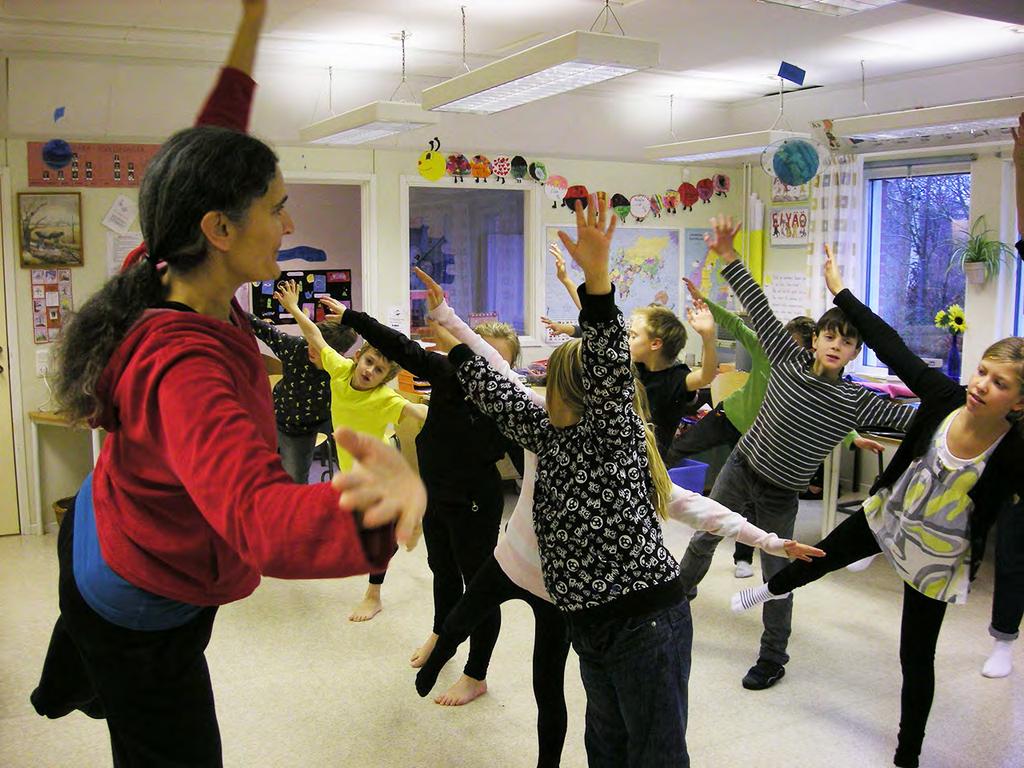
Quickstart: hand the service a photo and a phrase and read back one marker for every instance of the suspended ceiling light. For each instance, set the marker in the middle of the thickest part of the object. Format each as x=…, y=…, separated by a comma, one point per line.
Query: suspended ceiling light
x=735, y=147
x=833, y=7
x=369, y=122
x=574, y=60
x=971, y=122
x=372, y=121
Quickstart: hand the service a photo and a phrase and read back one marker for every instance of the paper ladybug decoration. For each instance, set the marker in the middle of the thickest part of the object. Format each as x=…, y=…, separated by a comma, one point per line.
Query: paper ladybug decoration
x=655, y=200
x=457, y=166
x=431, y=165
x=705, y=189
x=480, y=168
x=671, y=200
x=688, y=196
x=620, y=204
x=722, y=184
x=639, y=206
x=519, y=168
x=555, y=188
x=501, y=166
x=574, y=193
x=538, y=171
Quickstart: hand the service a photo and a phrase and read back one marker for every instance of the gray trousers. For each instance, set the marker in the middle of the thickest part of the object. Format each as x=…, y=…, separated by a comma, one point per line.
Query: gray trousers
x=769, y=507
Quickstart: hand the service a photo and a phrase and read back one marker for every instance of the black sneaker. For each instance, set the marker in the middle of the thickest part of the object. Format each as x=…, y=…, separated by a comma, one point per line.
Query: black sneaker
x=763, y=675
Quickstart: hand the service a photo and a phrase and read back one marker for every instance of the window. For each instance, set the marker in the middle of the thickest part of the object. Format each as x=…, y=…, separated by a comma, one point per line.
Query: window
x=471, y=241
x=913, y=225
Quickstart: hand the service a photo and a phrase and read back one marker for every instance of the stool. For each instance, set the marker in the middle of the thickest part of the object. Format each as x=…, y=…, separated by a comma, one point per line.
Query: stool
x=328, y=456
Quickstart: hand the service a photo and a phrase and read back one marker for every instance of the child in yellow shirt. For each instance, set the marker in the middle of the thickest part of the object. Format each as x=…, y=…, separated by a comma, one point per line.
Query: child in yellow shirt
x=360, y=400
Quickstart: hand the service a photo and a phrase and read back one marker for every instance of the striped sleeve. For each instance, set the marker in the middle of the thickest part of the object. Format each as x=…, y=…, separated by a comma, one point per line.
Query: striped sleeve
x=776, y=342
x=876, y=411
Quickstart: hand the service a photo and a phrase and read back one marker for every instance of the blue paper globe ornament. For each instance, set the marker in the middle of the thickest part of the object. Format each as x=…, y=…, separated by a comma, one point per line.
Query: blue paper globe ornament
x=794, y=161
x=57, y=153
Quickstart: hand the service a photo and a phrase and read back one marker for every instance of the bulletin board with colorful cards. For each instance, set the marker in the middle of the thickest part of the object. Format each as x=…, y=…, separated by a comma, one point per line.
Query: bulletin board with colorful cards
x=90, y=165
x=51, y=303
x=314, y=283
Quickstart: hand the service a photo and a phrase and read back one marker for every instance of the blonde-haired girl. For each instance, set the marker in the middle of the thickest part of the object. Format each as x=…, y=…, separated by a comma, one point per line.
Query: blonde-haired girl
x=598, y=493
x=929, y=511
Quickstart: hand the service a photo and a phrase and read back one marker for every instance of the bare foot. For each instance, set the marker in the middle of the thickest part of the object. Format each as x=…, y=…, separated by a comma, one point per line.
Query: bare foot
x=462, y=692
x=421, y=654
x=369, y=606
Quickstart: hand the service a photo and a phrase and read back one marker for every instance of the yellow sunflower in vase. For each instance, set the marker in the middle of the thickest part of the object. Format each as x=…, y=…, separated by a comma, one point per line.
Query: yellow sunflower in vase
x=957, y=322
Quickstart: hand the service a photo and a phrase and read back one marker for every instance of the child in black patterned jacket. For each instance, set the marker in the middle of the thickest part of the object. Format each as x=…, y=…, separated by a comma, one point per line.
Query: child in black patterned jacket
x=600, y=489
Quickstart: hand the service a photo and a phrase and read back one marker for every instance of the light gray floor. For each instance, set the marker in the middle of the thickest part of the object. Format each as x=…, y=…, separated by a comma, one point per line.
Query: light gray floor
x=298, y=685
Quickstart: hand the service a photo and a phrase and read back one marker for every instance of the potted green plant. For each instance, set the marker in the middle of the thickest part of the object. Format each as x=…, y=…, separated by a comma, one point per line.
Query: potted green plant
x=979, y=256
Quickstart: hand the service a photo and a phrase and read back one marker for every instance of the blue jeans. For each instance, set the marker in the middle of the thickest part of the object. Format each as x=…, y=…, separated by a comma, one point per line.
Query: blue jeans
x=636, y=672
x=768, y=506
x=297, y=450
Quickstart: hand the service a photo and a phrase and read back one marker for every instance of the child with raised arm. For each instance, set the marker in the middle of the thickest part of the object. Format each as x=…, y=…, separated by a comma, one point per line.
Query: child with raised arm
x=360, y=401
x=727, y=422
x=807, y=410
x=457, y=449
x=599, y=492
x=656, y=337
x=930, y=510
x=302, y=398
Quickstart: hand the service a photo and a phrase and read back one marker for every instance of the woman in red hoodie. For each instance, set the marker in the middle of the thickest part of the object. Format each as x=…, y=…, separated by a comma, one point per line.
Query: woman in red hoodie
x=189, y=504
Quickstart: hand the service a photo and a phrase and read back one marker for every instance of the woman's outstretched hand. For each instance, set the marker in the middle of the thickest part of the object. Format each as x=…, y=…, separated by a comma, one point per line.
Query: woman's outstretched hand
x=381, y=487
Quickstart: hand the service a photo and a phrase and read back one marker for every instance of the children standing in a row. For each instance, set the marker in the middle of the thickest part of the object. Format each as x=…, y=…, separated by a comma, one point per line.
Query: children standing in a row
x=360, y=401
x=930, y=510
x=807, y=410
x=457, y=449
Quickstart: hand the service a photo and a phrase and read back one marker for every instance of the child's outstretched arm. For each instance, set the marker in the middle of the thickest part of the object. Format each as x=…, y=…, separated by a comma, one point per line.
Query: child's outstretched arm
x=413, y=414
x=446, y=317
x=706, y=514
x=290, y=350
x=288, y=294
x=392, y=344
x=778, y=345
x=703, y=322
x=563, y=274
x=923, y=381
x=730, y=321
x=608, y=383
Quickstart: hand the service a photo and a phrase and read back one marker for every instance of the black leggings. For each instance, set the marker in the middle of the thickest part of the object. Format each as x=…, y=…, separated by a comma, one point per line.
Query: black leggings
x=152, y=687
x=460, y=538
x=489, y=589
x=853, y=540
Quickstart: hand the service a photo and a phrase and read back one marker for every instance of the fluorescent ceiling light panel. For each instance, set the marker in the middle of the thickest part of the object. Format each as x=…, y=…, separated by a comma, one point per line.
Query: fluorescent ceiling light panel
x=968, y=123
x=734, y=147
x=370, y=122
x=574, y=60
x=833, y=7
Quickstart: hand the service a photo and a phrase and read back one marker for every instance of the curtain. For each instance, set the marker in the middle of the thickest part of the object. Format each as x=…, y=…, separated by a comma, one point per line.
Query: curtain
x=836, y=218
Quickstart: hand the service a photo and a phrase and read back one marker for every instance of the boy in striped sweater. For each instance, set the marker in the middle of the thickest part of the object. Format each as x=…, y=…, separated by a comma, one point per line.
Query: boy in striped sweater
x=807, y=410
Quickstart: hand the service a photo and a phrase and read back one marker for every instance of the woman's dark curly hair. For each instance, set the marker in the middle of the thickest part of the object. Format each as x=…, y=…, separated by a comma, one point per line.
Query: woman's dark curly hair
x=196, y=171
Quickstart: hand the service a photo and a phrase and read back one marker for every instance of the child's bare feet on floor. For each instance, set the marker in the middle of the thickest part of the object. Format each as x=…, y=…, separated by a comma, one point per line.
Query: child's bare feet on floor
x=421, y=654
x=462, y=692
x=369, y=606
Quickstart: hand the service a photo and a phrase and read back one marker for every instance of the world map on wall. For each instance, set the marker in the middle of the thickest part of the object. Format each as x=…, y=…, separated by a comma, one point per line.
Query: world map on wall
x=644, y=270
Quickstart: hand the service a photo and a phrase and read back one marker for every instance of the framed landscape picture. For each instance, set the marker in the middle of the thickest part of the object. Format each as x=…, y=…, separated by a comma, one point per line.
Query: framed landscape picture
x=50, y=229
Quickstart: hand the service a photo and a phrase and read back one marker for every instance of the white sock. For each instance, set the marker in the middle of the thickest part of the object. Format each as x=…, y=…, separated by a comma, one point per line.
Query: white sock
x=1000, y=661
x=747, y=598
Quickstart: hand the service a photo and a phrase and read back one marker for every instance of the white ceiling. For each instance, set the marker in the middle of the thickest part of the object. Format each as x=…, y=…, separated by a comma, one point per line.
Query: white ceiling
x=713, y=52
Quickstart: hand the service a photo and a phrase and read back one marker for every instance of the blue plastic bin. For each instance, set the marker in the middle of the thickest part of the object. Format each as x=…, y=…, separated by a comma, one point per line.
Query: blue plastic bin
x=690, y=475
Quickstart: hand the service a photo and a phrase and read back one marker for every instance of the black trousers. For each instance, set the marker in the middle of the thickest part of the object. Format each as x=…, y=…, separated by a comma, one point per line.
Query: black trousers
x=153, y=688
x=460, y=538
x=486, y=592
x=852, y=540
x=713, y=430
x=1008, y=598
